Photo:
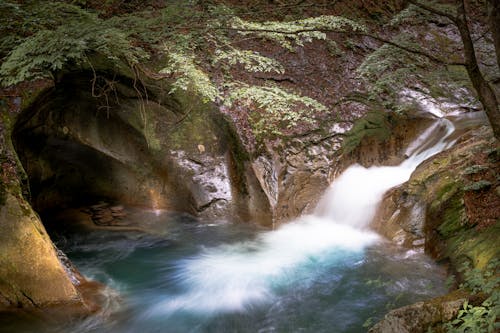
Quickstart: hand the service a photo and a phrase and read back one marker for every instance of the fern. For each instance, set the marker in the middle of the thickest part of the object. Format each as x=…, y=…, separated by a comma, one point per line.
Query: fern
x=389, y=70
x=296, y=33
x=189, y=75
x=276, y=108
x=252, y=61
x=49, y=51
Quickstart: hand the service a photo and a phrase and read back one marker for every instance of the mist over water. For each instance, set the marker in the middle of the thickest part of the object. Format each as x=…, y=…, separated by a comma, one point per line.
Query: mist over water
x=231, y=277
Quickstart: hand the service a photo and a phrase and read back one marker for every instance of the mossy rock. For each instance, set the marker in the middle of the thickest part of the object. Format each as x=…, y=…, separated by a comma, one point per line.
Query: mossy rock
x=375, y=124
x=448, y=207
x=477, y=247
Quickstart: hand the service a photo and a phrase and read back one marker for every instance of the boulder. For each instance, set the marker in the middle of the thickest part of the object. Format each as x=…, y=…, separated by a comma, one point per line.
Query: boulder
x=418, y=317
x=31, y=274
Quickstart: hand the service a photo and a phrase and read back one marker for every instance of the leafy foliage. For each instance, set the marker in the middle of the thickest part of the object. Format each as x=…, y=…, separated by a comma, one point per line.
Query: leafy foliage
x=478, y=186
x=189, y=75
x=278, y=108
x=473, y=169
x=388, y=71
x=406, y=63
x=273, y=108
x=58, y=35
x=481, y=318
x=48, y=51
x=296, y=33
x=252, y=61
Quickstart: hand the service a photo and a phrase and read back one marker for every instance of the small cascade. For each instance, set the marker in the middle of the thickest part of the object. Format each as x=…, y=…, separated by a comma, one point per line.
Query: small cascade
x=232, y=277
x=433, y=140
x=353, y=197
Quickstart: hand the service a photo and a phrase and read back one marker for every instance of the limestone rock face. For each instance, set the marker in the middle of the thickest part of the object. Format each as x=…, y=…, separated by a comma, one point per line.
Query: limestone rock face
x=31, y=274
x=294, y=176
x=168, y=152
x=401, y=218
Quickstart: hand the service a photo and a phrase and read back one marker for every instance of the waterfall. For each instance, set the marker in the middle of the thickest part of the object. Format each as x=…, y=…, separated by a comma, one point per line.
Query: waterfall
x=353, y=197
x=233, y=277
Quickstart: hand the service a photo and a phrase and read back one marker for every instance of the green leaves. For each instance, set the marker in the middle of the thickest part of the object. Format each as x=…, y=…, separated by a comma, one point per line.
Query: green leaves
x=478, y=186
x=296, y=33
x=275, y=108
x=50, y=50
x=189, y=75
x=481, y=318
x=252, y=61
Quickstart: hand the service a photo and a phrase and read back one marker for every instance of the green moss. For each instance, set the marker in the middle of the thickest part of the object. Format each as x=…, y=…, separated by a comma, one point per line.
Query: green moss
x=375, y=124
x=478, y=247
x=152, y=140
x=446, y=206
x=473, y=169
x=478, y=186
x=194, y=130
x=452, y=216
x=446, y=191
x=195, y=127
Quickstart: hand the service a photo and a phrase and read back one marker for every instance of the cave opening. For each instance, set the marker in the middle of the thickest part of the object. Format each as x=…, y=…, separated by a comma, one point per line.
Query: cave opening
x=77, y=150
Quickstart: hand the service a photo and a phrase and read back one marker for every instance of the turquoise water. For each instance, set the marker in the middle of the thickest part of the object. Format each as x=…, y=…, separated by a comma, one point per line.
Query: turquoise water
x=224, y=277
x=321, y=273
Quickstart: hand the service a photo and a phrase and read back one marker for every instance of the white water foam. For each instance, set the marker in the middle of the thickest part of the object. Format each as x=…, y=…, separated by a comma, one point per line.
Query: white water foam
x=354, y=196
x=233, y=277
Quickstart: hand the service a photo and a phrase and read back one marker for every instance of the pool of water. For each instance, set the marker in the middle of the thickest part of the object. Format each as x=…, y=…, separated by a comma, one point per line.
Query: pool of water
x=308, y=276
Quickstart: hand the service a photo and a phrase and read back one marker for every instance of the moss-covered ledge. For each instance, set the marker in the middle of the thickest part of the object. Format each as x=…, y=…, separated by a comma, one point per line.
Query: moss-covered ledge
x=457, y=221
x=450, y=208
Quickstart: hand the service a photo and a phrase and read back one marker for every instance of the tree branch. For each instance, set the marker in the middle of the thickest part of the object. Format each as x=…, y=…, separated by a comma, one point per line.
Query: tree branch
x=412, y=50
x=433, y=10
x=363, y=34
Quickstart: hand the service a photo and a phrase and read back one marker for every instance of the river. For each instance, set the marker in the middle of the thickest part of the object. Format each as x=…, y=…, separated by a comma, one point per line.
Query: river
x=325, y=272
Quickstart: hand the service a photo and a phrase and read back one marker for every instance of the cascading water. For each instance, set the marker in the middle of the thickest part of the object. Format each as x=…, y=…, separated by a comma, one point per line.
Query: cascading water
x=353, y=197
x=324, y=272
x=233, y=277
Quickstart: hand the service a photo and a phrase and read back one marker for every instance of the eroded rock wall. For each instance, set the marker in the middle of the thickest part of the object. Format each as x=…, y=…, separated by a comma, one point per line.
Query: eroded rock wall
x=163, y=151
x=31, y=274
x=449, y=207
x=63, y=146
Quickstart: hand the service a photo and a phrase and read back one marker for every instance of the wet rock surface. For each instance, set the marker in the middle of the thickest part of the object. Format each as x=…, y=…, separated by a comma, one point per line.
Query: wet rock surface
x=437, y=207
x=295, y=177
x=169, y=152
x=418, y=317
x=105, y=215
x=443, y=211
x=31, y=274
